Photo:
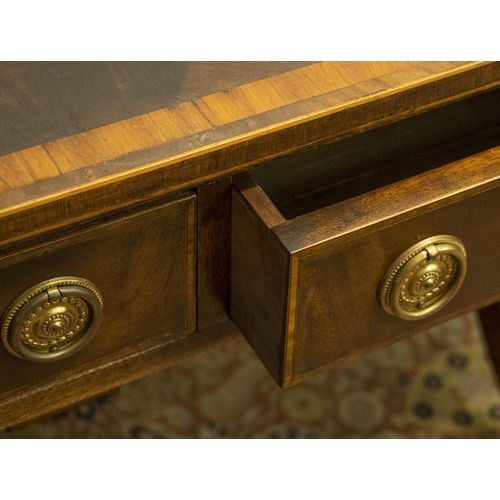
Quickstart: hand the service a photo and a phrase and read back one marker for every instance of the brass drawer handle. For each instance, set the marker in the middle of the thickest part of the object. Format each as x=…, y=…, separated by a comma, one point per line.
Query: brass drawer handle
x=53, y=319
x=424, y=278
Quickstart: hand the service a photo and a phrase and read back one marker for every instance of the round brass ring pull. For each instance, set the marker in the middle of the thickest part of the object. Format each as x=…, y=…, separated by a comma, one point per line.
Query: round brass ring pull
x=424, y=278
x=53, y=319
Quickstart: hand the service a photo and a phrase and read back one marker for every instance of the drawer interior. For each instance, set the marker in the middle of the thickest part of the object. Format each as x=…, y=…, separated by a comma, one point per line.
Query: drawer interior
x=355, y=165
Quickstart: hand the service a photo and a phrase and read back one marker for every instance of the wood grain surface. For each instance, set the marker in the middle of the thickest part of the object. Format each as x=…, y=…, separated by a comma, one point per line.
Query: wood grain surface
x=104, y=137
x=389, y=204
x=335, y=258
x=259, y=279
x=358, y=249
x=142, y=261
x=324, y=176
x=206, y=137
x=213, y=253
x=41, y=102
x=337, y=316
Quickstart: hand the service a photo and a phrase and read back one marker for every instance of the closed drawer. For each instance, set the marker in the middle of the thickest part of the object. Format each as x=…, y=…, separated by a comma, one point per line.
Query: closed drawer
x=140, y=261
x=314, y=236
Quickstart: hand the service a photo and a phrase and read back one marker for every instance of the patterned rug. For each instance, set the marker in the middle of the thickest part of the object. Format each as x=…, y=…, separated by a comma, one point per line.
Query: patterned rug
x=437, y=384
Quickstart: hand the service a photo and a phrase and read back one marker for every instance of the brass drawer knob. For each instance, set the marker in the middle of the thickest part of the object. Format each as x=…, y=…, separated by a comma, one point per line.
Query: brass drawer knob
x=424, y=278
x=53, y=319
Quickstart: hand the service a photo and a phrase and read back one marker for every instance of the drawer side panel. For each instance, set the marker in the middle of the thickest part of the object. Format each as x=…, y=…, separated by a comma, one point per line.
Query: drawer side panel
x=259, y=284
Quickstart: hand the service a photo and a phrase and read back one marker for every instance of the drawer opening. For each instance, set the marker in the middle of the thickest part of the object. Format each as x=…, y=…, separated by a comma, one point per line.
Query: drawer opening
x=355, y=165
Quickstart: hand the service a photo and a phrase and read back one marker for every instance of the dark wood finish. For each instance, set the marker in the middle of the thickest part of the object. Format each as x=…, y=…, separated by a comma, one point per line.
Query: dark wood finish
x=142, y=261
x=394, y=202
x=338, y=316
x=96, y=377
x=490, y=320
x=220, y=134
x=213, y=253
x=259, y=276
x=35, y=221
x=68, y=171
x=337, y=256
x=324, y=176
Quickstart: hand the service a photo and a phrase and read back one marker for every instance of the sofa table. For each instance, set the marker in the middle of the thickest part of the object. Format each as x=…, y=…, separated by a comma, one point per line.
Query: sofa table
x=150, y=211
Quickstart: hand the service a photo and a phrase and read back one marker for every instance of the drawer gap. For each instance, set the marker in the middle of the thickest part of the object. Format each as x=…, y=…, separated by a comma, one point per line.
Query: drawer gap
x=355, y=165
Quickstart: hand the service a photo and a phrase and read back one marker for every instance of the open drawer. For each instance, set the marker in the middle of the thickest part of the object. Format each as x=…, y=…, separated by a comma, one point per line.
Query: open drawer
x=326, y=263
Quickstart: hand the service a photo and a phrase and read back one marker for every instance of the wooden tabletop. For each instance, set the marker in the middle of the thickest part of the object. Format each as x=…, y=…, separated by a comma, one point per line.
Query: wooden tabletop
x=74, y=133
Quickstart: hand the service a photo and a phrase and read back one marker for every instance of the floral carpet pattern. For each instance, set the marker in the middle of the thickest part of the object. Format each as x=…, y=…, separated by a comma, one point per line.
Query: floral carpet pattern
x=437, y=384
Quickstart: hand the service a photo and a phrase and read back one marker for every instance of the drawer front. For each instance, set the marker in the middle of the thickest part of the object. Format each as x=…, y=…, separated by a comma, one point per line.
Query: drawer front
x=142, y=261
x=305, y=292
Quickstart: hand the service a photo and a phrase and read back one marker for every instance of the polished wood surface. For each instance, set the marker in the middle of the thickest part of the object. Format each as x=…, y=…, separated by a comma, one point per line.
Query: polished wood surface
x=201, y=139
x=79, y=185
x=334, y=258
x=331, y=290
x=324, y=176
x=337, y=316
x=392, y=203
x=142, y=261
x=214, y=253
x=259, y=282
